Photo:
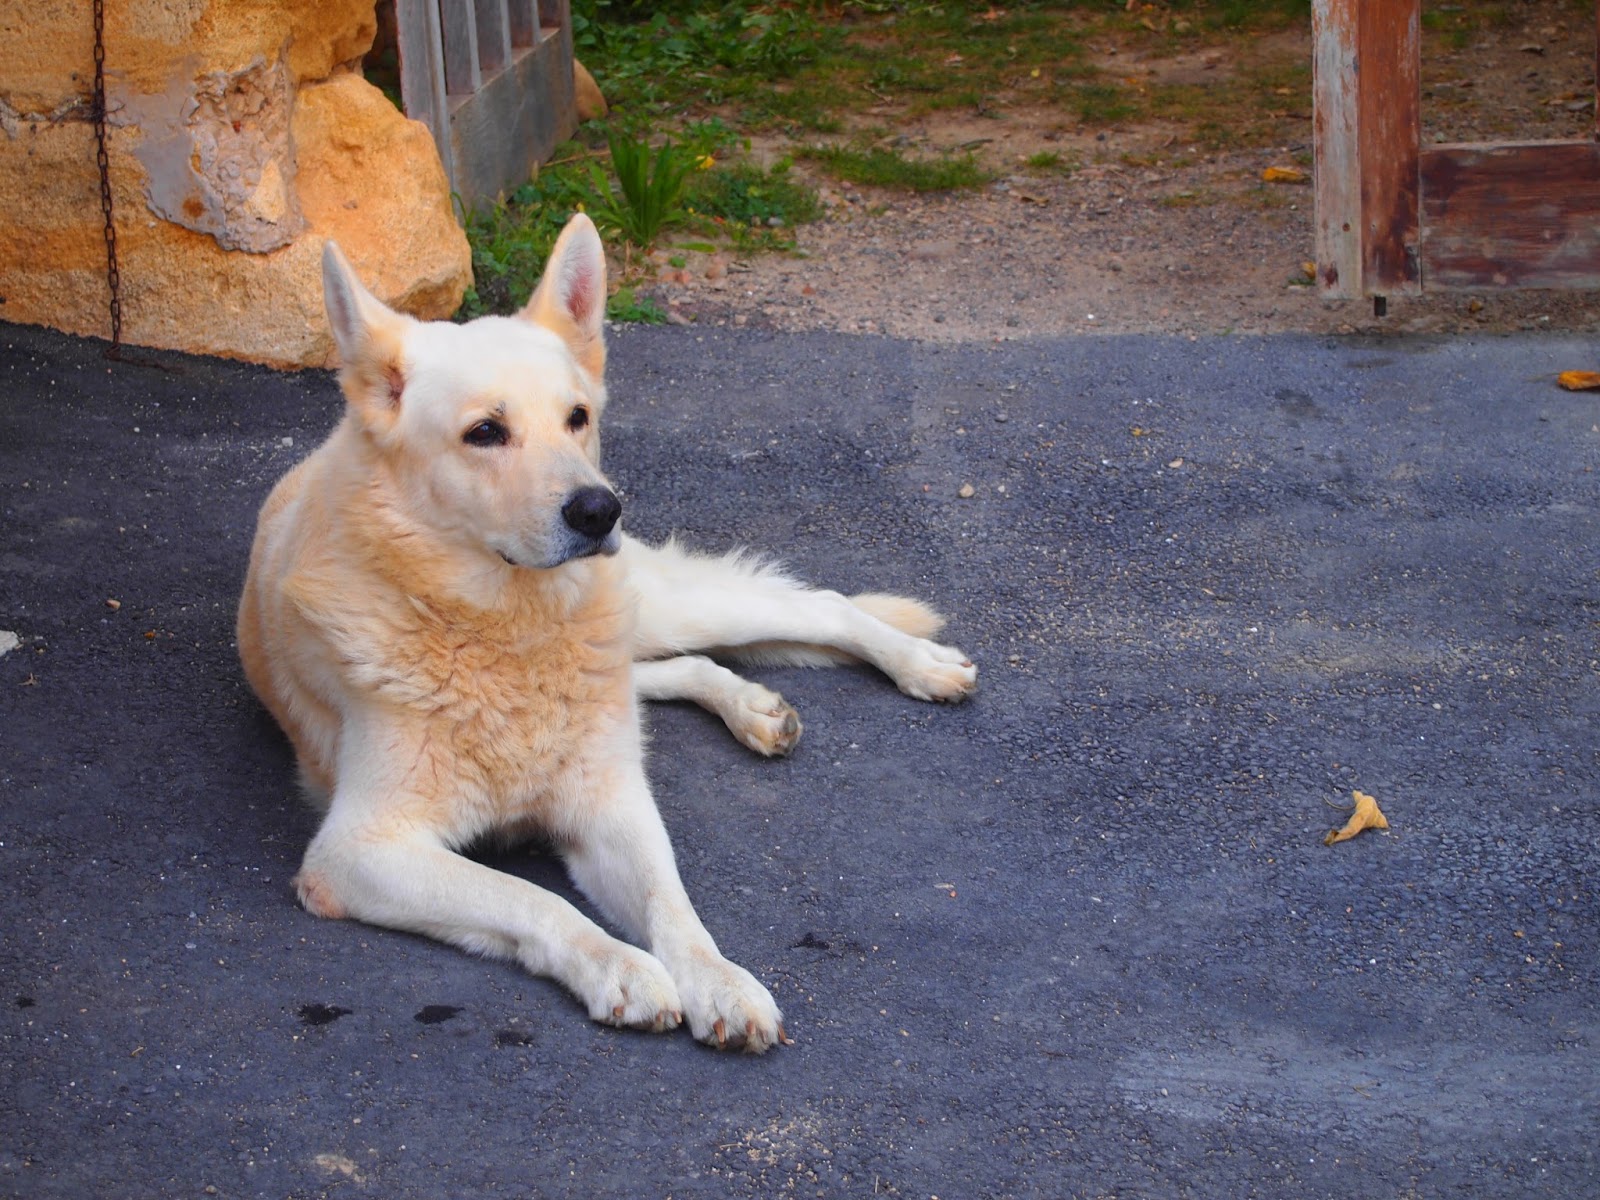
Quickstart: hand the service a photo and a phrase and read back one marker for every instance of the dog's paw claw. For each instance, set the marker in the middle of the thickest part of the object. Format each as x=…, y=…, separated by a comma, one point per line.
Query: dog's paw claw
x=941, y=674
x=764, y=721
x=727, y=1008
x=627, y=988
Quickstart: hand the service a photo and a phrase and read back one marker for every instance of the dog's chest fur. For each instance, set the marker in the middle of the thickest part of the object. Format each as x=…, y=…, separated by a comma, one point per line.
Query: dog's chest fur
x=496, y=706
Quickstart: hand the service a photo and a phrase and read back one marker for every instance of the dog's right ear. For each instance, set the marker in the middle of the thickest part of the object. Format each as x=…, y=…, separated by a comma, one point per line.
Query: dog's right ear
x=570, y=300
x=371, y=340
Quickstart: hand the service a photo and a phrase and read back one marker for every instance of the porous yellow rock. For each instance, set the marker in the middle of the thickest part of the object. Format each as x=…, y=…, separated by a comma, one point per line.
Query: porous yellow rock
x=238, y=142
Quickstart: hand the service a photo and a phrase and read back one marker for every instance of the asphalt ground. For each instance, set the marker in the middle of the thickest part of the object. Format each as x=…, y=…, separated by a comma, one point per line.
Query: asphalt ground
x=1080, y=937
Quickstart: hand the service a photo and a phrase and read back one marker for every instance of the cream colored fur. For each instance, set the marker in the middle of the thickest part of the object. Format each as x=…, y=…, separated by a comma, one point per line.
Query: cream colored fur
x=443, y=617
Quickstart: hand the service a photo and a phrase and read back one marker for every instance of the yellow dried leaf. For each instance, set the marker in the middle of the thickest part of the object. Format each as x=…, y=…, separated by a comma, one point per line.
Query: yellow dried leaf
x=1579, y=381
x=1366, y=816
x=1285, y=175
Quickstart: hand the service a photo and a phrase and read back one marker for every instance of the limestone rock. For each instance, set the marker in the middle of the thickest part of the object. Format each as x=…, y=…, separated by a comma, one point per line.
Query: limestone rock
x=371, y=180
x=238, y=144
x=385, y=201
x=217, y=155
x=590, y=99
x=47, y=50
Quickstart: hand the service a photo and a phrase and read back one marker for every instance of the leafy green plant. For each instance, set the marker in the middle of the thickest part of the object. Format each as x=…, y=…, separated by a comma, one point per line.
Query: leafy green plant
x=651, y=188
x=511, y=242
x=745, y=194
x=627, y=307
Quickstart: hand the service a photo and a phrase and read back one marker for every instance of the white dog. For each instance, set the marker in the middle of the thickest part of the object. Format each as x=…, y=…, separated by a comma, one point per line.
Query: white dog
x=443, y=615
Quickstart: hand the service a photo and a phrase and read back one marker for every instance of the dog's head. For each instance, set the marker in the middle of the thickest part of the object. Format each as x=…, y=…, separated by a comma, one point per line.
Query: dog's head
x=489, y=429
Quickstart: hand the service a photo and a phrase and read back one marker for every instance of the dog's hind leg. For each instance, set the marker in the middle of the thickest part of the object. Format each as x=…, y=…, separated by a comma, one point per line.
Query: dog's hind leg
x=757, y=716
x=755, y=613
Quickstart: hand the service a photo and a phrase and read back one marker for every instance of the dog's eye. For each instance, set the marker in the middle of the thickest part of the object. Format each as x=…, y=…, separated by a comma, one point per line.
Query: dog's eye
x=486, y=433
x=578, y=418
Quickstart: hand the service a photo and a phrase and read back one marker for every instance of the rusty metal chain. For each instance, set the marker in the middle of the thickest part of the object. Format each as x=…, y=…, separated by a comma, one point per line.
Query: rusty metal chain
x=103, y=160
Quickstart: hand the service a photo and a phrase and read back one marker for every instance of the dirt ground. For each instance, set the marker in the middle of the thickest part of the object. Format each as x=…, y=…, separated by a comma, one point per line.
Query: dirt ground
x=1147, y=231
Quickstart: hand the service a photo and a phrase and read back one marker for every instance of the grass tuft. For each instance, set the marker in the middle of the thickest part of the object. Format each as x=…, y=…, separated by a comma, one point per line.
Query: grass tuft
x=879, y=167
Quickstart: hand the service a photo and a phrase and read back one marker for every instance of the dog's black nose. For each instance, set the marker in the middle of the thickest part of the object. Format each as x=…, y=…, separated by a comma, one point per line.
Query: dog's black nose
x=592, y=511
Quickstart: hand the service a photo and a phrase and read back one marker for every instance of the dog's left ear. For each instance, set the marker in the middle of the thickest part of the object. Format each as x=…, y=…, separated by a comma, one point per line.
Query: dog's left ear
x=571, y=298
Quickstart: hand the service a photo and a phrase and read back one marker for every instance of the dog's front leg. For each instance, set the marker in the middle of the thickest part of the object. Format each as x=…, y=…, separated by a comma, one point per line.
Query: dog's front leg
x=378, y=858
x=618, y=852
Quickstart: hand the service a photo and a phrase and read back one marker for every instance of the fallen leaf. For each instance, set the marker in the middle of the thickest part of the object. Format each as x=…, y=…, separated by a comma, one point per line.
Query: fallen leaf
x=1285, y=175
x=1030, y=198
x=1579, y=381
x=1138, y=431
x=1366, y=816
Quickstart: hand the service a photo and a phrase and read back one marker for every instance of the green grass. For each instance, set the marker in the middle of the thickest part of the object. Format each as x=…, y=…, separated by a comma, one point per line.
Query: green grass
x=879, y=167
x=1101, y=103
x=1050, y=162
x=512, y=239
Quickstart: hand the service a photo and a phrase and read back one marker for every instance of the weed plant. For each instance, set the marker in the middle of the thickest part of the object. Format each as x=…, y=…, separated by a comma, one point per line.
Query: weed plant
x=651, y=188
x=744, y=194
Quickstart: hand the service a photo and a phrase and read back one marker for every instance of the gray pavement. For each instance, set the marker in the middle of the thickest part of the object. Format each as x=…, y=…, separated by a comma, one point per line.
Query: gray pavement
x=1077, y=938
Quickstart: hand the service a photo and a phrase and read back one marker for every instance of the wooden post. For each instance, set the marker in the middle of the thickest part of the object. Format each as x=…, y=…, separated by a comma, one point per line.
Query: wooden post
x=524, y=24
x=493, y=22
x=459, y=25
x=1366, y=97
x=422, y=73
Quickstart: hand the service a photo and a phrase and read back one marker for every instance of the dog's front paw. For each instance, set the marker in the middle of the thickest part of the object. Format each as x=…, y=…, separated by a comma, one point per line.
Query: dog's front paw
x=727, y=1008
x=763, y=720
x=624, y=986
x=930, y=671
